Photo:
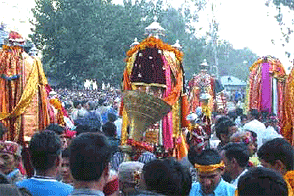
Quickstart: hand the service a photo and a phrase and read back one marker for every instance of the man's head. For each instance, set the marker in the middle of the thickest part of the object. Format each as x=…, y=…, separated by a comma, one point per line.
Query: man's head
x=90, y=154
x=262, y=181
x=45, y=148
x=253, y=114
x=210, y=168
x=277, y=154
x=167, y=176
x=10, y=155
x=77, y=104
x=235, y=157
x=129, y=175
x=246, y=138
x=224, y=129
x=65, y=170
x=111, y=117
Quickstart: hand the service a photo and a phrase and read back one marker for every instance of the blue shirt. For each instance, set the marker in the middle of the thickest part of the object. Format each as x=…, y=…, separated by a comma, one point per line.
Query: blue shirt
x=48, y=187
x=222, y=189
x=86, y=192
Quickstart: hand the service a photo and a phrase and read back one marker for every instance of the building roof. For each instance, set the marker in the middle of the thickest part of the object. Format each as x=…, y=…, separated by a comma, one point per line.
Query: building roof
x=232, y=81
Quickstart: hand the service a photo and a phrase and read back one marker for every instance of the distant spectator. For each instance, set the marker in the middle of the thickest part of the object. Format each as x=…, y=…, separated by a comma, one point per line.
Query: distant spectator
x=256, y=126
x=224, y=129
x=65, y=170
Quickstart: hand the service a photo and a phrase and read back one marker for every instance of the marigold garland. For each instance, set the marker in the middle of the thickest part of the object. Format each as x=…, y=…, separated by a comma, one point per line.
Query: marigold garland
x=289, y=177
x=152, y=42
x=57, y=105
x=276, y=68
x=209, y=168
x=140, y=145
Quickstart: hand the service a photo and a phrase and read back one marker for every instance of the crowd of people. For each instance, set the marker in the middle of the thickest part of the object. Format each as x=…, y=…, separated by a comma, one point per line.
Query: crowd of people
x=251, y=158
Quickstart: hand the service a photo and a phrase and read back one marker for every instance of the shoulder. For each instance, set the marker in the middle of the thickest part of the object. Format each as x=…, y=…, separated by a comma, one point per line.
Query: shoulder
x=226, y=187
x=23, y=182
x=195, y=189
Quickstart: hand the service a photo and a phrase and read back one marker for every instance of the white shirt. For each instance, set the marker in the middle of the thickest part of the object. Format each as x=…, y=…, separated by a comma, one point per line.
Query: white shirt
x=257, y=127
x=118, y=124
x=271, y=134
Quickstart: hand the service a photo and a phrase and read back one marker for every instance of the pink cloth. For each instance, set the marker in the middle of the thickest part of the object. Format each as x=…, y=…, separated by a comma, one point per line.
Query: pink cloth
x=266, y=89
x=167, y=126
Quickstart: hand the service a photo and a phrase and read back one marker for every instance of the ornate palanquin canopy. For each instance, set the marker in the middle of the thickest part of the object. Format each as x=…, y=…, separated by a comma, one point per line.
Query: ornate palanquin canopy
x=266, y=86
x=155, y=67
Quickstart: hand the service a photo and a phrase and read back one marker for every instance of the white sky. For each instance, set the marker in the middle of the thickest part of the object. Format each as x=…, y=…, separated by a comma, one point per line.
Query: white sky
x=244, y=23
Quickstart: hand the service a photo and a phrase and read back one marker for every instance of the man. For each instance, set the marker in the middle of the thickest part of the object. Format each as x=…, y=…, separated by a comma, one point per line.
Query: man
x=45, y=148
x=224, y=129
x=262, y=181
x=278, y=154
x=90, y=155
x=210, y=168
x=10, y=158
x=65, y=170
x=60, y=131
x=255, y=126
x=167, y=177
x=235, y=157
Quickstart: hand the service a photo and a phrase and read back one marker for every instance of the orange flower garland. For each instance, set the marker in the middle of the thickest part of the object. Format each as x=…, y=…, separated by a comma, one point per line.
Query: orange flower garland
x=57, y=105
x=152, y=42
x=289, y=177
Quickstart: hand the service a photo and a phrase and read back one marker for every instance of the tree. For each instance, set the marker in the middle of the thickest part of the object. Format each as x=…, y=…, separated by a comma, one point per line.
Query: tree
x=286, y=29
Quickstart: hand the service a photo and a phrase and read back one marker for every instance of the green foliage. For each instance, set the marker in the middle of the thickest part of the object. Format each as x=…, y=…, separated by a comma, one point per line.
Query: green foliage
x=88, y=39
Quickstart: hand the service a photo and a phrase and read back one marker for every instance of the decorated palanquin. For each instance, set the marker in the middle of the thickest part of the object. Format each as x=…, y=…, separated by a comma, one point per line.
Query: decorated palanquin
x=266, y=86
x=287, y=123
x=155, y=67
x=201, y=85
x=23, y=98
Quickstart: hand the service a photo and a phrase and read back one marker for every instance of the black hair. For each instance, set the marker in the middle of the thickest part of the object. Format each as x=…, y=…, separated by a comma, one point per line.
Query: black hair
x=277, y=149
x=223, y=126
x=223, y=118
x=44, y=147
x=65, y=152
x=237, y=151
x=239, y=111
x=254, y=113
x=232, y=115
x=92, y=105
x=243, y=117
x=76, y=103
x=82, y=128
x=167, y=177
x=56, y=128
x=90, y=154
x=262, y=181
x=111, y=117
x=208, y=157
x=109, y=129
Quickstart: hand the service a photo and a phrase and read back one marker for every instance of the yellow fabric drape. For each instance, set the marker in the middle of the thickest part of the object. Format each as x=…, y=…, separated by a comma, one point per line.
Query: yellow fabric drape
x=36, y=78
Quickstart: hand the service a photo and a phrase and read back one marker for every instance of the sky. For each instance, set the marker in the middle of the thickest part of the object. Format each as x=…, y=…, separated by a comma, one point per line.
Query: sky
x=244, y=23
